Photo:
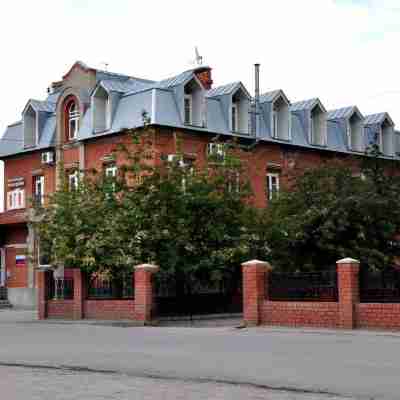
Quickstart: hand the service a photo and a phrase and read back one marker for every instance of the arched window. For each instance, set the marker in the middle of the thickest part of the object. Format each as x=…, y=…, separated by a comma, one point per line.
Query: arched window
x=71, y=119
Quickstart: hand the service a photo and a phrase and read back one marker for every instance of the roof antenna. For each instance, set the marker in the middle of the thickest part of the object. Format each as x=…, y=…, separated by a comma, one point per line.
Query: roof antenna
x=105, y=66
x=199, y=58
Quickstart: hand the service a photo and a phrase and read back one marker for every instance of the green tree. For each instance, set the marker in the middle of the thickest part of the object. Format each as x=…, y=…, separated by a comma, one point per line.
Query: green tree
x=331, y=213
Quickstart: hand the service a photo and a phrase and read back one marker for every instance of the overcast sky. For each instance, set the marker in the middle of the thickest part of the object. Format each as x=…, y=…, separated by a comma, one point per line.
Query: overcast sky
x=343, y=51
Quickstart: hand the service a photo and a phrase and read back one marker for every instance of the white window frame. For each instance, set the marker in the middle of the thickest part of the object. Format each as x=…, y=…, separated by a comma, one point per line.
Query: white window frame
x=111, y=170
x=270, y=187
x=16, y=199
x=188, y=98
x=39, y=182
x=234, y=118
x=275, y=119
x=73, y=121
x=73, y=180
x=216, y=149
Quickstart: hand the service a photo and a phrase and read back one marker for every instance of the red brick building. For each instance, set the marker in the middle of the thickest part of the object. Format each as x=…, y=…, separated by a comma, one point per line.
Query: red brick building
x=86, y=113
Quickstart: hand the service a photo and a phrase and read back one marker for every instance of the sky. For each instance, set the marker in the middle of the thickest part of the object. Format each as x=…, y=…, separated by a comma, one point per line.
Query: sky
x=342, y=51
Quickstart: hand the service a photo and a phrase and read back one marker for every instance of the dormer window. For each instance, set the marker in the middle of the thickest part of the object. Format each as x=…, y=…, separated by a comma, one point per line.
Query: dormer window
x=234, y=117
x=73, y=121
x=280, y=119
x=387, y=138
x=101, y=110
x=30, y=127
x=239, y=120
x=193, y=103
x=318, y=130
x=71, y=117
x=355, y=133
x=188, y=109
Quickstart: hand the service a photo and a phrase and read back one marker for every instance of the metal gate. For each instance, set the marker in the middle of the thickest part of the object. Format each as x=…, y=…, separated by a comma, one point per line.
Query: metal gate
x=179, y=297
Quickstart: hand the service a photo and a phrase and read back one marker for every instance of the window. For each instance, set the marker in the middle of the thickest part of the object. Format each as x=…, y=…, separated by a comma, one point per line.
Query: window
x=318, y=133
x=234, y=182
x=275, y=132
x=234, y=118
x=38, y=190
x=272, y=185
x=111, y=171
x=73, y=181
x=188, y=109
x=73, y=120
x=216, y=151
x=16, y=199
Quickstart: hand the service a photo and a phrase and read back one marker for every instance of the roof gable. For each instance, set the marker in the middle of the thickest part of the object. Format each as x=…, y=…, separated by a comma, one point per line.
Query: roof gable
x=307, y=105
x=344, y=113
x=228, y=89
x=271, y=96
x=378, y=119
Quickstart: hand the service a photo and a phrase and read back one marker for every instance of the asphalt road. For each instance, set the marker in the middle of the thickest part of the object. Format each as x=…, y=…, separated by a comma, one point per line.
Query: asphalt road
x=312, y=364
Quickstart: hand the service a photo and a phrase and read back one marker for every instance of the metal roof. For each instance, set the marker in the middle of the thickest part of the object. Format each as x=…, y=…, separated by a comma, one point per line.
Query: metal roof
x=343, y=113
x=164, y=104
x=305, y=104
x=377, y=119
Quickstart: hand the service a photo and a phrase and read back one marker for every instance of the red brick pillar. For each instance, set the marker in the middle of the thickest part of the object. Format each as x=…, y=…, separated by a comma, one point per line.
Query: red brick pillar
x=255, y=276
x=144, y=292
x=42, y=278
x=79, y=293
x=349, y=291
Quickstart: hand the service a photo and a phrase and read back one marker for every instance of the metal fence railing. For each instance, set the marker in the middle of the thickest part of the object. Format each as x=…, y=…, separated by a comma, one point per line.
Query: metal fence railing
x=102, y=288
x=379, y=286
x=60, y=288
x=3, y=293
x=309, y=286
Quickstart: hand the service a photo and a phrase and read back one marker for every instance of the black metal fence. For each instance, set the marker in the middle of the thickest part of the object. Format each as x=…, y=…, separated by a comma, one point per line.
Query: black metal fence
x=60, y=288
x=379, y=286
x=3, y=293
x=196, y=297
x=309, y=286
x=105, y=288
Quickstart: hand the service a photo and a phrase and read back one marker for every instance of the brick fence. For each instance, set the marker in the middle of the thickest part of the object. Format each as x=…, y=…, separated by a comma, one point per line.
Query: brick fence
x=79, y=307
x=346, y=313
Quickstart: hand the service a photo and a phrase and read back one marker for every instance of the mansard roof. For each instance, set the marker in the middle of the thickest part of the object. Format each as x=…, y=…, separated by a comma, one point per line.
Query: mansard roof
x=306, y=105
x=272, y=96
x=377, y=119
x=343, y=113
x=163, y=102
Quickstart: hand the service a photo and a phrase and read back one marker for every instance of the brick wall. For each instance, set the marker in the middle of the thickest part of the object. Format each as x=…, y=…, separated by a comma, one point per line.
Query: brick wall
x=289, y=313
x=60, y=309
x=378, y=316
x=109, y=309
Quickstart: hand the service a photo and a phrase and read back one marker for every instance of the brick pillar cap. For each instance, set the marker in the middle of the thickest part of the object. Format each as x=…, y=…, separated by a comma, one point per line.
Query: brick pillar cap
x=257, y=263
x=148, y=267
x=348, y=261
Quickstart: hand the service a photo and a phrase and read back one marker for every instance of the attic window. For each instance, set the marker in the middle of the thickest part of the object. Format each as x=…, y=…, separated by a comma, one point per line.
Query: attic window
x=318, y=133
x=355, y=133
x=101, y=112
x=387, y=138
x=280, y=120
x=30, y=128
x=193, y=104
x=239, y=120
x=188, y=109
x=71, y=116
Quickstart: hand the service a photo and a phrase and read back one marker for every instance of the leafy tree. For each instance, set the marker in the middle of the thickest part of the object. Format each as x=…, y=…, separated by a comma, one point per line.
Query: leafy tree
x=331, y=213
x=191, y=220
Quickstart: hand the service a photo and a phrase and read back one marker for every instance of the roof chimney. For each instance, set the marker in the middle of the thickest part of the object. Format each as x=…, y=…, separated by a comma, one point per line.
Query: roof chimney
x=256, y=99
x=204, y=76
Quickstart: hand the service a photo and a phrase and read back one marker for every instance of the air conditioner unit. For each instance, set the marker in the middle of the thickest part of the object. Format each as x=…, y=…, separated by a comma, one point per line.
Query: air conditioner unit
x=47, y=157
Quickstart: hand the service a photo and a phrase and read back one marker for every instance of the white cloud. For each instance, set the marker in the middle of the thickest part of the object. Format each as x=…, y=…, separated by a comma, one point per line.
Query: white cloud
x=341, y=51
